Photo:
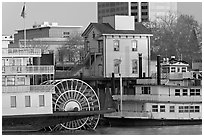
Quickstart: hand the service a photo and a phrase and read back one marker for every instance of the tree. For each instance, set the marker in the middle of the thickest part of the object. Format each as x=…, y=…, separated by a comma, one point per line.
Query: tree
x=175, y=35
x=72, y=50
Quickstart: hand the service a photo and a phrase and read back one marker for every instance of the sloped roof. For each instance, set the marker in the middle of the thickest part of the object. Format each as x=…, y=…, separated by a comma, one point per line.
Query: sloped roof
x=106, y=28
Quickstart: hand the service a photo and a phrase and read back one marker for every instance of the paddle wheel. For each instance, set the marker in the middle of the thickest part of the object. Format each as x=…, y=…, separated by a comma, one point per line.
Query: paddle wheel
x=74, y=95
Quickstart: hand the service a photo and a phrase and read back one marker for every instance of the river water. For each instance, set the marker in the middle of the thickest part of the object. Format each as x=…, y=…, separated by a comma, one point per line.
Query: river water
x=153, y=130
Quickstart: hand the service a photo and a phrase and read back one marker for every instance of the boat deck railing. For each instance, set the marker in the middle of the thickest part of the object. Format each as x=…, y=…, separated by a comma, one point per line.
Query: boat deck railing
x=130, y=114
x=159, y=98
x=21, y=52
x=28, y=88
x=30, y=69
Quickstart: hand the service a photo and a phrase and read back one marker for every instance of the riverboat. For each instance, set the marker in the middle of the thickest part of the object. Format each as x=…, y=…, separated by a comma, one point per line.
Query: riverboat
x=173, y=96
x=32, y=99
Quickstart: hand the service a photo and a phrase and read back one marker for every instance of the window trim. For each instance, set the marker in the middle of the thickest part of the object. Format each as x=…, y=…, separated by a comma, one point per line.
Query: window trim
x=41, y=102
x=27, y=101
x=13, y=103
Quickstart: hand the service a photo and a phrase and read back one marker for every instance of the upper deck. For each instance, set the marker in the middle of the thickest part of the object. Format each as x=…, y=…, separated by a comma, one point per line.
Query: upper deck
x=21, y=52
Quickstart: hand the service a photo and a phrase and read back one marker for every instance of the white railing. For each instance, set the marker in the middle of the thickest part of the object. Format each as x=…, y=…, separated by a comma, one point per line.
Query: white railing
x=28, y=88
x=42, y=69
x=21, y=51
x=130, y=114
x=158, y=98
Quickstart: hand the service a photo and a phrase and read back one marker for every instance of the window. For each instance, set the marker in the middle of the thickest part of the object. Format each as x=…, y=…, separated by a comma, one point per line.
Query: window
x=146, y=90
x=134, y=66
x=134, y=45
x=116, y=45
x=181, y=109
x=154, y=108
x=185, y=92
x=178, y=69
x=191, y=108
x=41, y=101
x=65, y=33
x=13, y=101
x=10, y=80
x=3, y=65
x=20, y=81
x=162, y=108
x=27, y=101
x=172, y=109
x=197, y=108
x=177, y=92
x=186, y=109
x=197, y=92
x=173, y=69
x=183, y=69
x=117, y=66
x=192, y=92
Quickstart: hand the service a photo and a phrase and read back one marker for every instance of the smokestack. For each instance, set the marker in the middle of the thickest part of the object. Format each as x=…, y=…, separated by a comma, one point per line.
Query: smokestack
x=158, y=71
x=140, y=65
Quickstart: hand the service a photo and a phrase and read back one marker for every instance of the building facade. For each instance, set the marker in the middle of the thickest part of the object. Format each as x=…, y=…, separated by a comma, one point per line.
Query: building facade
x=140, y=10
x=114, y=47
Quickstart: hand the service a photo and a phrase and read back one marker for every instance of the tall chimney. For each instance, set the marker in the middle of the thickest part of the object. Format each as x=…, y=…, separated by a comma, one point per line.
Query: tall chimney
x=140, y=65
x=158, y=71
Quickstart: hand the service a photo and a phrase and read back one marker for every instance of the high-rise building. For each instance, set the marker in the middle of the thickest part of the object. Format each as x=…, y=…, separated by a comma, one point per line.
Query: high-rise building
x=157, y=9
x=140, y=10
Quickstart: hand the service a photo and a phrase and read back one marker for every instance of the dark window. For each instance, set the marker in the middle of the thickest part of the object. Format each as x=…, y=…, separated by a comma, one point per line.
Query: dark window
x=177, y=92
x=162, y=108
x=146, y=90
x=185, y=92
x=172, y=109
x=192, y=92
x=154, y=108
x=197, y=92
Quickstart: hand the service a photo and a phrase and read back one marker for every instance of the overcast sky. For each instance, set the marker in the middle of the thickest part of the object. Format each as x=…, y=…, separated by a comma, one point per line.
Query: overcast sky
x=64, y=13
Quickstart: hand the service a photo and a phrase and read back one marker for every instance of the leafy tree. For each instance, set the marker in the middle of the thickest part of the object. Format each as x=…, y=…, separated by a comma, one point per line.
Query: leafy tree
x=175, y=35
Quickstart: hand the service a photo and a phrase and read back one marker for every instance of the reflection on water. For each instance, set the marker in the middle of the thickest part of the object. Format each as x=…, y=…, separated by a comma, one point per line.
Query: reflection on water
x=155, y=130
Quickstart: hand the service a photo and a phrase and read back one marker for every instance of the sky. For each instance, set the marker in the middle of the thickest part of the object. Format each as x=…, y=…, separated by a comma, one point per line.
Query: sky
x=65, y=13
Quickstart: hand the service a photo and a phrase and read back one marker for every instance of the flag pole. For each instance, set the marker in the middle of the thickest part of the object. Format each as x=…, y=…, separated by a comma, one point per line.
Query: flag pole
x=24, y=20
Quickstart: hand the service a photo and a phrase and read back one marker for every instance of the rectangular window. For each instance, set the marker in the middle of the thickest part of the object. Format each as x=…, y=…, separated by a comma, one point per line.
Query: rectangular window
x=20, y=81
x=177, y=92
x=41, y=101
x=197, y=92
x=27, y=101
x=162, y=108
x=185, y=92
x=178, y=69
x=134, y=66
x=192, y=92
x=186, y=109
x=117, y=66
x=197, y=108
x=183, y=69
x=116, y=45
x=65, y=33
x=154, y=108
x=145, y=90
x=172, y=109
x=181, y=109
x=134, y=45
x=10, y=80
x=191, y=108
x=173, y=69
x=13, y=101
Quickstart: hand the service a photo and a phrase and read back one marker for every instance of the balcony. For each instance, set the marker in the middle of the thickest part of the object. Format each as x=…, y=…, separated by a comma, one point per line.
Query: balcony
x=130, y=114
x=159, y=98
x=28, y=88
x=21, y=52
x=16, y=70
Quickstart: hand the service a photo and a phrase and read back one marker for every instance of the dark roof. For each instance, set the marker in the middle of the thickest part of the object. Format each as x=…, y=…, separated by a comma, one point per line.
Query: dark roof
x=106, y=28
